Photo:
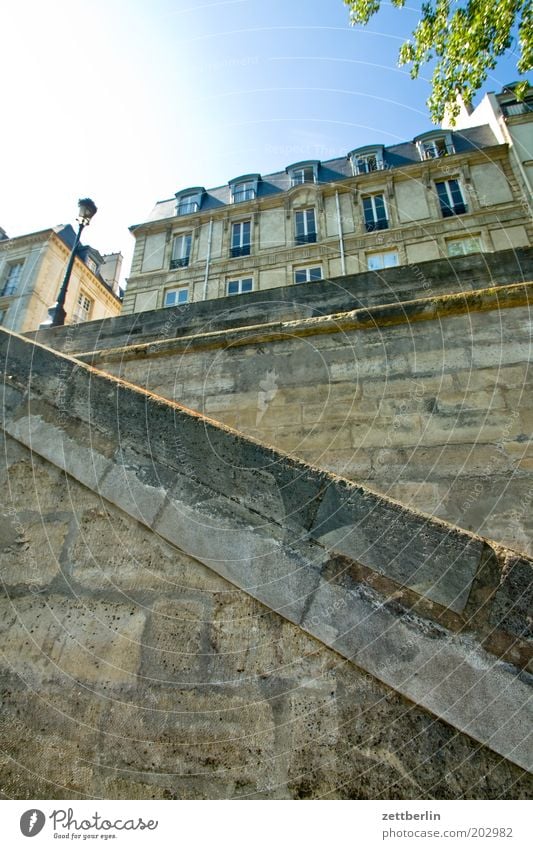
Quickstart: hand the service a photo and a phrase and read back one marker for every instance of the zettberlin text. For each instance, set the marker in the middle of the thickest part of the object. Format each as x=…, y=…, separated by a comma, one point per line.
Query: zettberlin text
x=407, y=815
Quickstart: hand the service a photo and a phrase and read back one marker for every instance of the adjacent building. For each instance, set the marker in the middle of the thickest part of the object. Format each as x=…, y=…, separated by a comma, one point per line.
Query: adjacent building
x=511, y=121
x=447, y=192
x=31, y=272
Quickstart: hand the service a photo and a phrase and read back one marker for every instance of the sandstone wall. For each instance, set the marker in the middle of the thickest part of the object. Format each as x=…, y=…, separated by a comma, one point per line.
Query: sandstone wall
x=321, y=297
x=130, y=670
x=429, y=402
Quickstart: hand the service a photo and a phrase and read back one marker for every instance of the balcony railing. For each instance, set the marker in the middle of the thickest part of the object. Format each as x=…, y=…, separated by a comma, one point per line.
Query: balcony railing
x=305, y=238
x=181, y=262
x=456, y=209
x=372, y=226
x=366, y=166
x=517, y=108
x=430, y=151
x=242, y=250
x=188, y=207
x=240, y=195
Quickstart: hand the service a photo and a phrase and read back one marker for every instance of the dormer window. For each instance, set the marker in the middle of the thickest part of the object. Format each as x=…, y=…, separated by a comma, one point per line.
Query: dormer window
x=244, y=188
x=303, y=172
x=189, y=201
x=434, y=145
x=365, y=160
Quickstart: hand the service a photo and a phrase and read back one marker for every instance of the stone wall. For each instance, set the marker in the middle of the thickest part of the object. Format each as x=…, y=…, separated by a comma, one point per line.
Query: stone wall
x=429, y=402
x=345, y=647
x=130, y=670
x=288, y=303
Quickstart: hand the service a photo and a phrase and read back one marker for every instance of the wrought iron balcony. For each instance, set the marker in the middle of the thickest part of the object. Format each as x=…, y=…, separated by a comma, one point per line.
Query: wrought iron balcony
x=188, y=208
x=305, y=238
x=436, y=151
x=182, y=262
x=456, y=209
x=240, y=195
x=372, y=226
x=242, y=250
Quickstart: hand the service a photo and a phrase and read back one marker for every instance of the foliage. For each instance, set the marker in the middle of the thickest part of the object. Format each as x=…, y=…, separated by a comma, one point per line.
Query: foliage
x=465, y=37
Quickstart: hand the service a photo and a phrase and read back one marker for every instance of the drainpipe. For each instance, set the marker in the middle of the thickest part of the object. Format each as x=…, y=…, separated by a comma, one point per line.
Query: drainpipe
x=341, y=241
x=208, y=258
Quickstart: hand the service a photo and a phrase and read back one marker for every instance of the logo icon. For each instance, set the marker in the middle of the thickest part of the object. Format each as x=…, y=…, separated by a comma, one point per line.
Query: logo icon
x=32, y=822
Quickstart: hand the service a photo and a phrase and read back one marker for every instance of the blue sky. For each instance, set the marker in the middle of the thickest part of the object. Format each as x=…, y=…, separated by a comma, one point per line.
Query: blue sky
x=128, y=101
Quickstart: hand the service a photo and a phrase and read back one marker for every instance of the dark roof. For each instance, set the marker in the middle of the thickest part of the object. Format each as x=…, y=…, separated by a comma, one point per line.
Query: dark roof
x=68, y=236
x=333, y=170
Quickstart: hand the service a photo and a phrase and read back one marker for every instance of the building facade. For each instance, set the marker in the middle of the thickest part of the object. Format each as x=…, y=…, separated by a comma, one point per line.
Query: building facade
x=445, y=193
x=31, y=273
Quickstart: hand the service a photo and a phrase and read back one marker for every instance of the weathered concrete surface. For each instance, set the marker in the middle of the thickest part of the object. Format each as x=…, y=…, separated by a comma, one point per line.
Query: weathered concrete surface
x=323, y=297
x=427, y=401
x=253, y=515
x=131, y=670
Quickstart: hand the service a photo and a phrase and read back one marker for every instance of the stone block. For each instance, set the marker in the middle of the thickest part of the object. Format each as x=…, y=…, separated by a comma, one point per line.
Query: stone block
x=434, y=560
x=30, y=549
x=70, y=641
x=175, y=641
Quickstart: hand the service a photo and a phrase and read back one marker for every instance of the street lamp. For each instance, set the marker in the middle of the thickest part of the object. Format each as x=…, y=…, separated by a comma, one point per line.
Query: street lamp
x=56, y=313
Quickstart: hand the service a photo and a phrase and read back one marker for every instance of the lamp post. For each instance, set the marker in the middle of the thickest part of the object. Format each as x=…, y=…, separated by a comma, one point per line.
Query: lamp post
x=56, y=314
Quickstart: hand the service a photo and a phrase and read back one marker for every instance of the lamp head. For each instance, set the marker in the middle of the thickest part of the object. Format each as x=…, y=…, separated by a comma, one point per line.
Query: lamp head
x=86, y=210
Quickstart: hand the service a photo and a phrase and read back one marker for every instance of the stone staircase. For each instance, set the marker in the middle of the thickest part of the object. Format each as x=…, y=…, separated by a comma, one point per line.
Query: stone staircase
x=437, y=614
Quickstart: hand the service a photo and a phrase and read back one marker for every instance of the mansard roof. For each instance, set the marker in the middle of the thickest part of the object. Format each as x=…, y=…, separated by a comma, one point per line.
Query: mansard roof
x=333, y=170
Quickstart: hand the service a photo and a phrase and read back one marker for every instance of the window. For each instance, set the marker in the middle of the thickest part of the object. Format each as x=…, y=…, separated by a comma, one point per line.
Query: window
x=189, y=200
x=13, y=278
x=305, y=226
x=303, y=175
x=366, y=164
x=181, y=250
x=518, y=107
x=173, y=297
x=83, y=308
x=434, y=145
x=367, y=159
x=386, y=259
x=243, y=191
x=91, y=265
x=305, y=275
x=237, y=287
x=188, y=204
x=435, y=149
x=244, y=187
x=303, y=172
x=450, y=198
x=375, y=213
x=240, y=238
x=463, y=246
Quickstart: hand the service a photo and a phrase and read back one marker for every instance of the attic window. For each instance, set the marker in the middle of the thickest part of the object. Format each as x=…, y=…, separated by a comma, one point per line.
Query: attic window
x=189, y=201
x=365, y=160
x=244, y=188
x=434, y=145
x=303, y=172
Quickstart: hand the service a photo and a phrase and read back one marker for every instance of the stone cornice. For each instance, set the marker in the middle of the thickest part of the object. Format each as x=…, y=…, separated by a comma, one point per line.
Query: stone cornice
x=41, y=236
x=366, y=318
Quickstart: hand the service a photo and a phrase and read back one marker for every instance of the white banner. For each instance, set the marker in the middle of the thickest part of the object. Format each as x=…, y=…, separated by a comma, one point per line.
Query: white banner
x=256, y=825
